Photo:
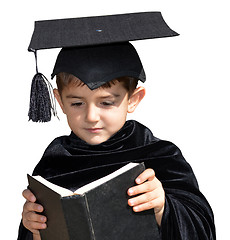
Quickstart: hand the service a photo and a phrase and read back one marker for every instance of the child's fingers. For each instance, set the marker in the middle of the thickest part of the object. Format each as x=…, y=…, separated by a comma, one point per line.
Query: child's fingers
x=155, y=203
x=33, y=226
x=148, y=174
x=28, y=195
x=31, y=220
x=31, y=216
x=154, y=199
x=143, y=198
x=144, y=187
x=32, y=207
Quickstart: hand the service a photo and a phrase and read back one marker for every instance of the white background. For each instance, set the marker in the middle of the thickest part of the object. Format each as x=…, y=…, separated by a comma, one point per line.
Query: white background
x=187, y=98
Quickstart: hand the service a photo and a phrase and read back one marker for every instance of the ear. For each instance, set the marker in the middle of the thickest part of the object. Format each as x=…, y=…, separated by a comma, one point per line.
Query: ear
x=59, y=99
x=136, y=98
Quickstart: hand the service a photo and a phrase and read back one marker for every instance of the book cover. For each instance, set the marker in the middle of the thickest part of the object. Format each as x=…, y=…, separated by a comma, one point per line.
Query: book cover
x=99, y=212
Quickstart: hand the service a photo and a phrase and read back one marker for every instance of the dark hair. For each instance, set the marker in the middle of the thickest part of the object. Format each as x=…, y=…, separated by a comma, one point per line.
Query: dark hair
x=63, y=79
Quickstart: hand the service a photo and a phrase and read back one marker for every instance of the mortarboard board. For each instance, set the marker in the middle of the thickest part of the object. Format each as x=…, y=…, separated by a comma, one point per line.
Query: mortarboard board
x=94, y=49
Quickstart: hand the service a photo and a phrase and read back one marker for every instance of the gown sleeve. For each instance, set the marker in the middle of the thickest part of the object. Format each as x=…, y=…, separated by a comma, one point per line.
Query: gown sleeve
x=187, y=214
x=24, y=234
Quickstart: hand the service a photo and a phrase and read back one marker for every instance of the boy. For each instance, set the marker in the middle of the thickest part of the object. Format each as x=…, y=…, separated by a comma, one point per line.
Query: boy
x=102, y=141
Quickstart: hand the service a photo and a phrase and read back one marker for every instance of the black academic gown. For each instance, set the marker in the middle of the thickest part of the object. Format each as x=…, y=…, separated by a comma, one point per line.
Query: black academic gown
x=71, y=163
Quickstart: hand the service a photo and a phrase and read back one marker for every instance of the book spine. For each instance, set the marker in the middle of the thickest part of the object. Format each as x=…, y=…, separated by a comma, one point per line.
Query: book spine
x=77, y=218
x=89, y=217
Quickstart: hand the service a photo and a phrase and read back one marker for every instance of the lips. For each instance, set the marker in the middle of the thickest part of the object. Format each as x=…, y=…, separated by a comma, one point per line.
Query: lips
x=94, y=130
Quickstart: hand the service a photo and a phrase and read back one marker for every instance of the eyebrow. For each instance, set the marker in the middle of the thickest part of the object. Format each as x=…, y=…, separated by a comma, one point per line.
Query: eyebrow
x=73, y=96
x=110, y=95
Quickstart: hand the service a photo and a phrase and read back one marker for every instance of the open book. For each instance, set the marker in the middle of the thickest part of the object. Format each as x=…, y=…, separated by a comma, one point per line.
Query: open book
x=66, y=192
x=96, y=211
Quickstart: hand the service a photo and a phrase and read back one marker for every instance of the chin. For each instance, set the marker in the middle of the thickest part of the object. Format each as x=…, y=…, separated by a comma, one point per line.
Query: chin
x=96, y=140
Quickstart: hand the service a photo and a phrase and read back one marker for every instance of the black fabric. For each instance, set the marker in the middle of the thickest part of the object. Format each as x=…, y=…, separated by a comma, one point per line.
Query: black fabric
x=87, y=31
x=70, y=162
x=100, y=64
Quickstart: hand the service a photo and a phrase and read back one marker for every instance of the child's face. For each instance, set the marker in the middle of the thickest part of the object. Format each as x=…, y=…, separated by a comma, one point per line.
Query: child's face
x=94, y=116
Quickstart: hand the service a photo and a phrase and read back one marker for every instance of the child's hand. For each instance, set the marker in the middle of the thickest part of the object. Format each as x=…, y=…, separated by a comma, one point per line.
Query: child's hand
x=152, y=194
x=30, y=219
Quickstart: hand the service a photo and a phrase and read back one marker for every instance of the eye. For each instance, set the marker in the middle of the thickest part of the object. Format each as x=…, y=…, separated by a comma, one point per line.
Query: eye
x=77, y=104
x=107, y=103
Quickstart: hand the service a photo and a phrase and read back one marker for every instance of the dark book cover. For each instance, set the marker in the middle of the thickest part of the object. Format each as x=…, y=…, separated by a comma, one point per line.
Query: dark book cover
x=101, y=213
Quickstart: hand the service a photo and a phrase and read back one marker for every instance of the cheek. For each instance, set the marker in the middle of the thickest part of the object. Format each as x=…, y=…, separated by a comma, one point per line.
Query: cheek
x=116, y=119
x=73, y=120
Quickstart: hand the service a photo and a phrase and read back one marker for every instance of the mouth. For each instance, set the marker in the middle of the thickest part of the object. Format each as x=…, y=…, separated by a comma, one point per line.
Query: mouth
x=94, y=130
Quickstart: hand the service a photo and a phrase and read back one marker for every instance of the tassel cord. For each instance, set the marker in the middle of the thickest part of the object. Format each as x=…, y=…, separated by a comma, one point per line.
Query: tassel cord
x=36, y=61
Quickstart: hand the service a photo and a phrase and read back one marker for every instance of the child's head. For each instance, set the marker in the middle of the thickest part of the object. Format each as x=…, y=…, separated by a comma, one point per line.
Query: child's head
x=96, y=115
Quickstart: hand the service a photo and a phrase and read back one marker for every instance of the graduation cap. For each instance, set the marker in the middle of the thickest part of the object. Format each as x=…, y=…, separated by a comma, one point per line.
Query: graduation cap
x=94, y=49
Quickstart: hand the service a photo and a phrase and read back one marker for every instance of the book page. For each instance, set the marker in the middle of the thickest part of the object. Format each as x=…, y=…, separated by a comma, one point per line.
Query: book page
x=100, y=181
x=60, y=190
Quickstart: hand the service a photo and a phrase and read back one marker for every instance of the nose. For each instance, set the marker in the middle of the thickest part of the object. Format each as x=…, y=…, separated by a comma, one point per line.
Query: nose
x=92, y=114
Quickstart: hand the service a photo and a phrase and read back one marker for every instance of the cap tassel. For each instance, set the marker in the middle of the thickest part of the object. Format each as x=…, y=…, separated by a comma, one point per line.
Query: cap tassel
x=42, y=101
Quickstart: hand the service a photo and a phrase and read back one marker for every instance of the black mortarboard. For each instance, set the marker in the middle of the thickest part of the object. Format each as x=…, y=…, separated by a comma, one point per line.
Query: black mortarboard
x=94, y=49
x=96, y=65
